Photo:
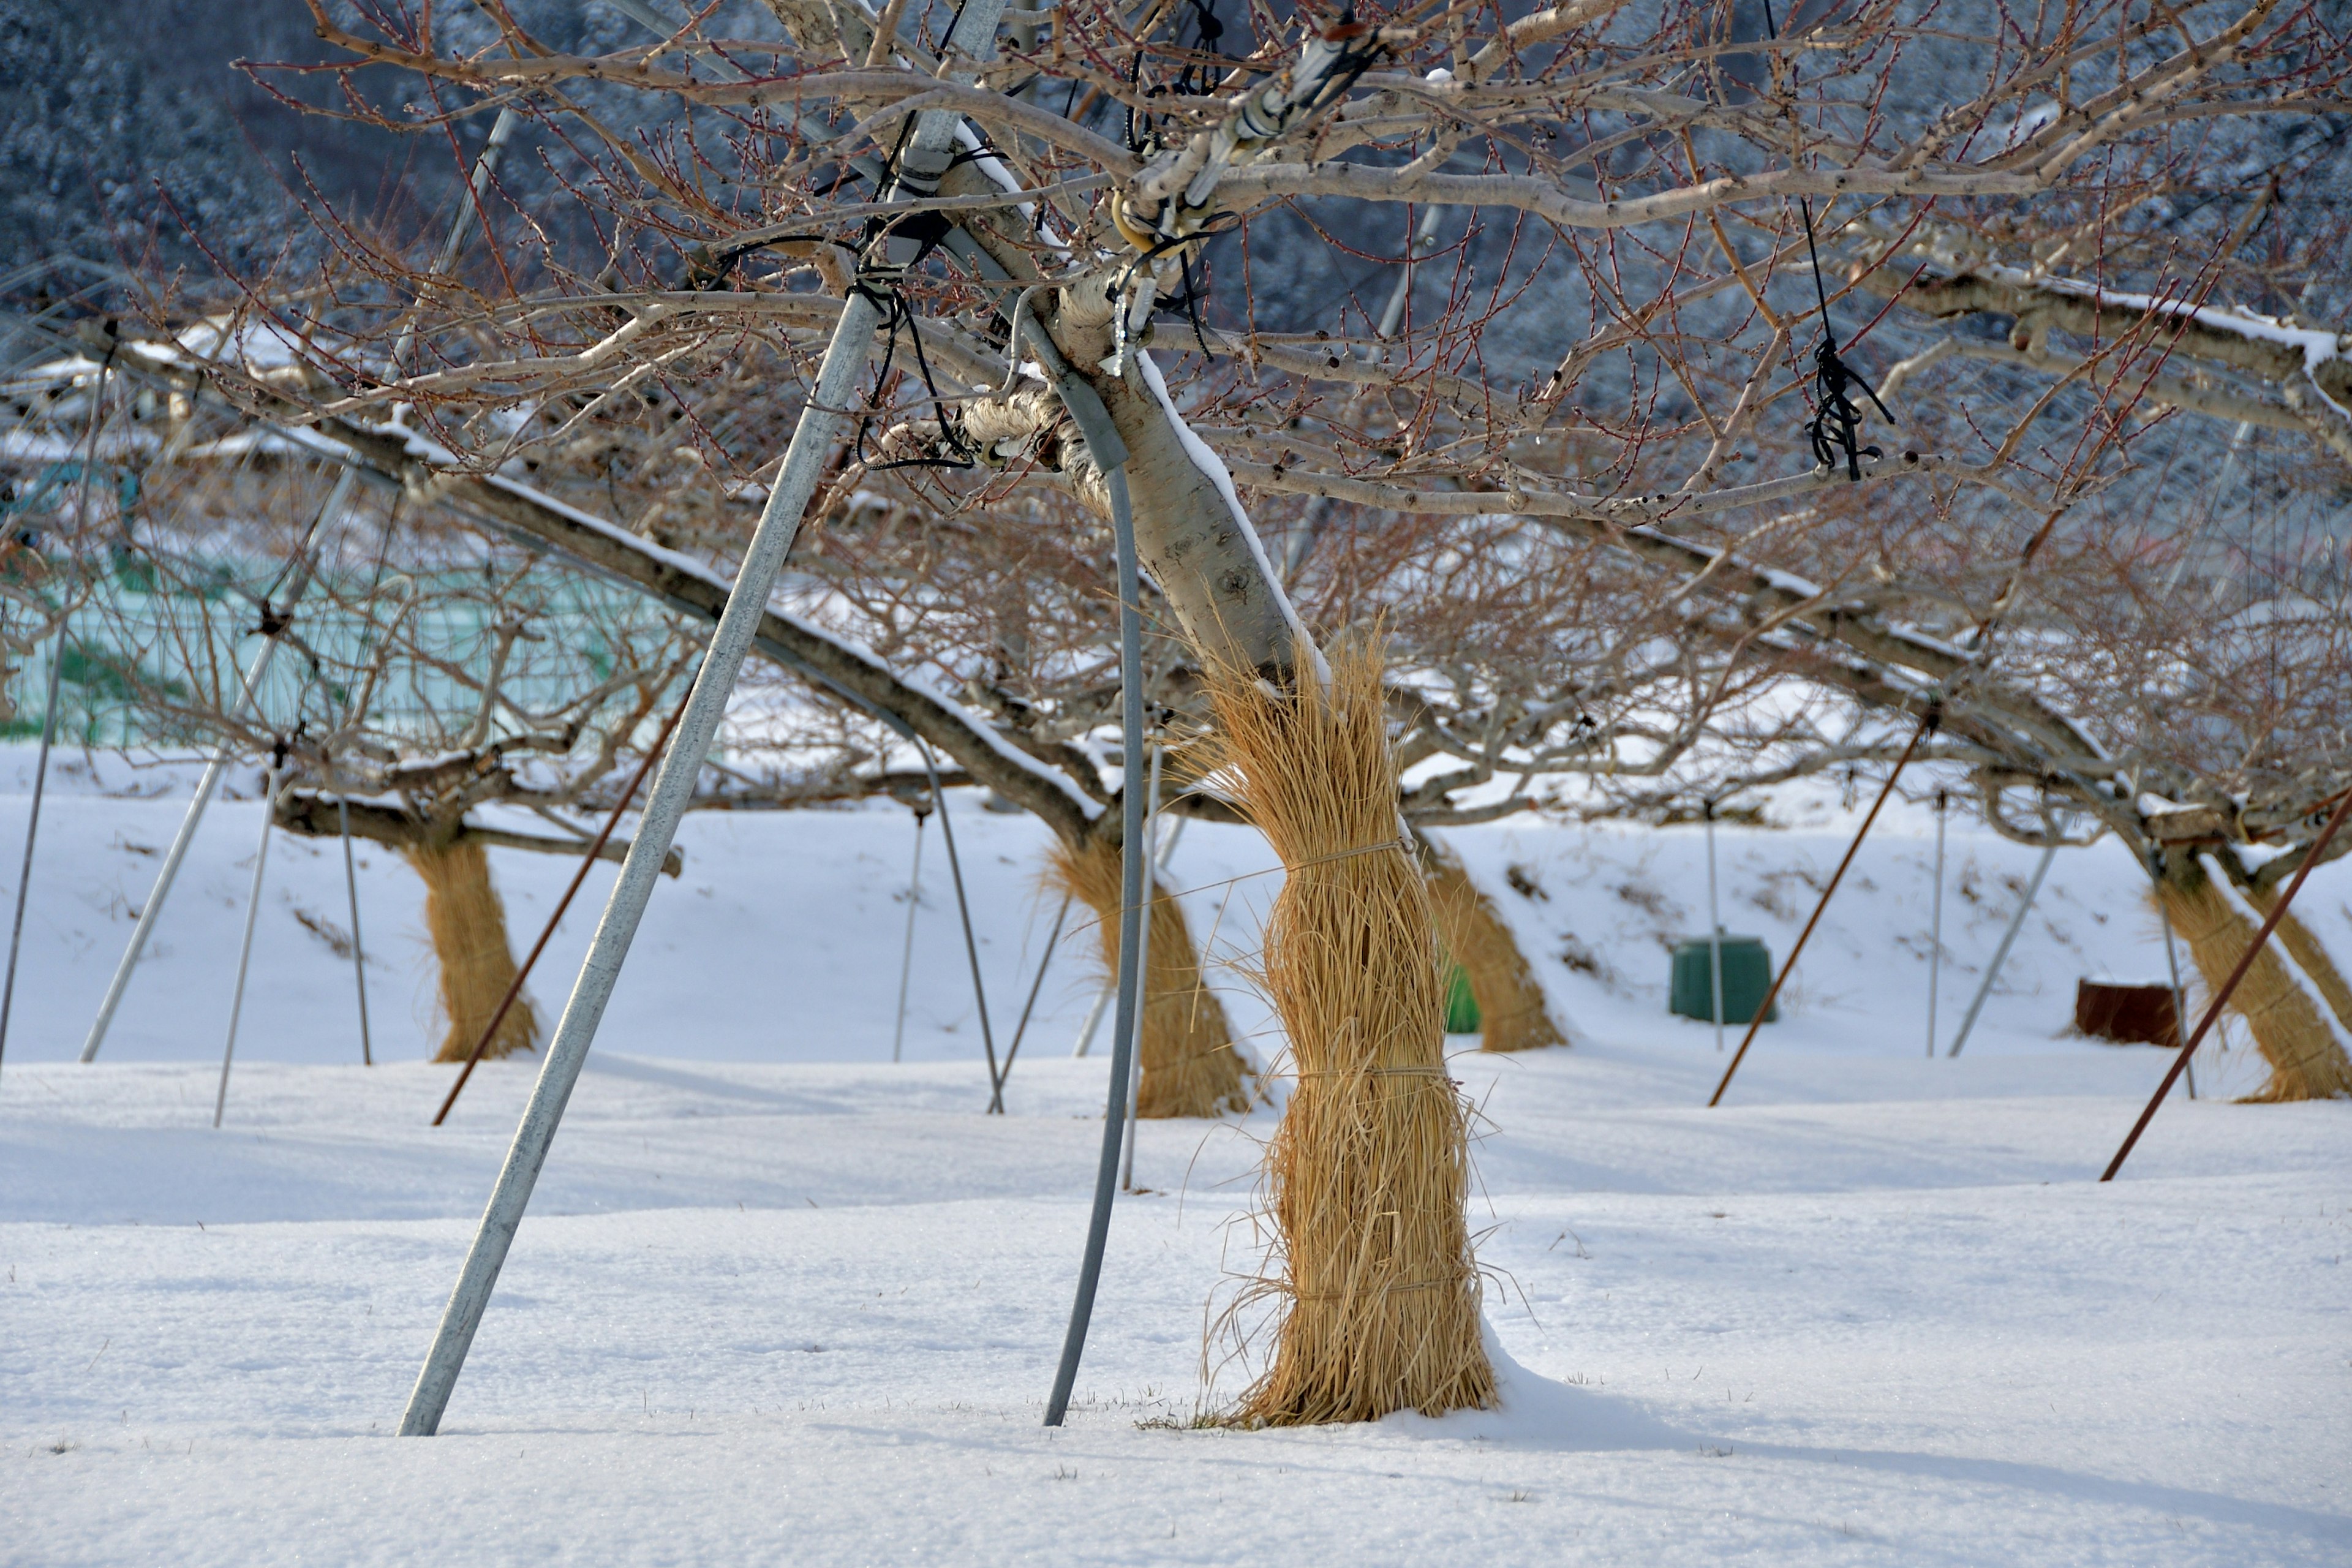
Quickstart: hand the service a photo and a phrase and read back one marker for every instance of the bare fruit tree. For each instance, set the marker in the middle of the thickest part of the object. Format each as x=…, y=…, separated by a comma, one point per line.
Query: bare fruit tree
x=420, y=685
x=1600, y=355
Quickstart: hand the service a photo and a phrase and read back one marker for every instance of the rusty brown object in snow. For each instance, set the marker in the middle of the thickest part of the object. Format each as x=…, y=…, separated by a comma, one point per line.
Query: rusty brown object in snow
x=2126, y=1015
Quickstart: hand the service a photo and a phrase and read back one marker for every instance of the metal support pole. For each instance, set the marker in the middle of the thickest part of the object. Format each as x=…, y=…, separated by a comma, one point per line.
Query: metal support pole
x=907, y=957
x=822, y=423
x=1085, y=409
x=2172, y=963
x=1142, y=964
x=1423, y=237
x=478, y=189
x=1045, y=962
x=1088, y=1030
x=49, y=713
x=2311, y=857
x=2000, y=953
x=971, y=944
x=2171, y=960
x=820, y=426
x=1133, y=871
x=244, y=949
x=32, y=830
x=359, y=954
x=1935, y=929
x=210, y=782
x=1714, y=932
x=1928, y=723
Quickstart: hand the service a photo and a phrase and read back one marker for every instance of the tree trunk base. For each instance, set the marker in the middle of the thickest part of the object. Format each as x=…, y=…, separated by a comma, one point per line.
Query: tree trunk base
x=1183, y=1049
x=1513, y=1014
x=468, y=925
x=1368, y=1177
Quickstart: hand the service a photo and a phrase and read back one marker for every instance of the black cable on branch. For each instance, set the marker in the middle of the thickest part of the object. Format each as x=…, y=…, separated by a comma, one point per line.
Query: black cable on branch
x=1835, y=429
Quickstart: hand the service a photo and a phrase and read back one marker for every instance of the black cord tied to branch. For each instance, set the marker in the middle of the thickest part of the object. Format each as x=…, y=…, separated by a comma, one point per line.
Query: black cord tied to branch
x=1836, y=421
x=884, y=295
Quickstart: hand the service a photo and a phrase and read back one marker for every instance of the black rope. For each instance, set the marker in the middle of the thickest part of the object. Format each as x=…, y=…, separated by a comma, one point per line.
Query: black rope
x=1836, y=421
x=1193, y=294
x=1208, y=32
x=895, y=314
x=1138, y=126
x=1834, y=428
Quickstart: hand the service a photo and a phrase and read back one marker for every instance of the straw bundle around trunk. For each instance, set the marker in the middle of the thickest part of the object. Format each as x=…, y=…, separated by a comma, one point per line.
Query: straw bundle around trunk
x=1366, y=1178
x=1182, y=1045
x=1512, y=1013
x=2304, y=946
x=468, y=925
x=2305, y=1060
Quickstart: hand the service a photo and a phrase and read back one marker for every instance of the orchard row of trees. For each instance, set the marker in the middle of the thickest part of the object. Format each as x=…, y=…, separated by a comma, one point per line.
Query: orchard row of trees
x=1650, y=402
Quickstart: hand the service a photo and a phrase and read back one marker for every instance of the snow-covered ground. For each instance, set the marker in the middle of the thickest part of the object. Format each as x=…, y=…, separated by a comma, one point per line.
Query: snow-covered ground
x=781, y=1301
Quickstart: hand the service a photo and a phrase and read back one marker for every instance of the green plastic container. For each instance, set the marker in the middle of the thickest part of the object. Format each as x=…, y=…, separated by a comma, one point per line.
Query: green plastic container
x=1461, y=1003
x=1746, y=975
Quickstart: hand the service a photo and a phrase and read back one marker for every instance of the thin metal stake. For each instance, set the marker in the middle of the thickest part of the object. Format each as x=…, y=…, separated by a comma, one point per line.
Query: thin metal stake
x=1928, y=723
x=244, y=949
x=1143, y=964
x=1715, y=929
x=359, y=954
x=2311, y=857
x=971, y=944
x=1935, y=929
x=2000, y=953
x=49, y=712
x=907, y=957
x=1088, y=1030
x=32, y=831
x=1045, y=962
x=2172, y=962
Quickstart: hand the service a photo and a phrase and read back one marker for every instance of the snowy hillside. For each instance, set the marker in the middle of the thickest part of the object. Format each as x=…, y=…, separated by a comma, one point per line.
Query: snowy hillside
x=780, y=1300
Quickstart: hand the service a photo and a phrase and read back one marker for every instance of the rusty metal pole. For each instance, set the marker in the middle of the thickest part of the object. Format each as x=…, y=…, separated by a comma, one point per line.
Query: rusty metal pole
x=595, y=848
x=1927, y=726
x=2221, y=997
